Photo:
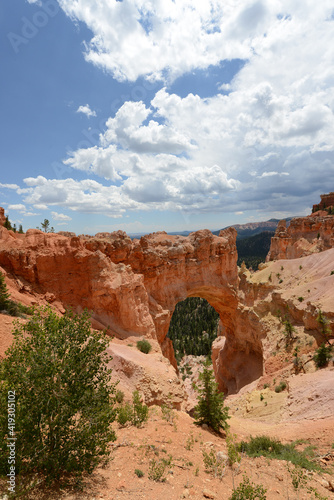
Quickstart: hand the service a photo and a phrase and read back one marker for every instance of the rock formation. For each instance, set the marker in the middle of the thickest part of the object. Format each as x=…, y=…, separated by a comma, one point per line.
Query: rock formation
x=327, y=201
x=305, y=235
x=2, y=216
x=132, y=287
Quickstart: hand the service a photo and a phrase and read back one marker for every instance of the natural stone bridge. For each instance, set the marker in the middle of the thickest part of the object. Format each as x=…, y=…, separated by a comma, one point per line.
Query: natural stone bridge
x=133, y=286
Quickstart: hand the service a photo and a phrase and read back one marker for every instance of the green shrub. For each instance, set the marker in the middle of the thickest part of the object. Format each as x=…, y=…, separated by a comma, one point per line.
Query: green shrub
x=210, y=408
x=212, y=465
x=64, y=397
x=324, y=325
x=158, y=468
x=190, y=442
x=289, y=330
x=119, y=396
x=249, y=491
x=4, y=294
x=167, y=412
x=272, y=448
x=139, y=473
x=139, y=410
x=144, y=346
x=300, y=299
x=281, y=386
x=135, y=413
x=232, y=449
x=323, y=355
x=124, y=414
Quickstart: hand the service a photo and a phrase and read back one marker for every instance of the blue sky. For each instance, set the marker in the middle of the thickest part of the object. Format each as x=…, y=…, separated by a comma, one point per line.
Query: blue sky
x=164, y=115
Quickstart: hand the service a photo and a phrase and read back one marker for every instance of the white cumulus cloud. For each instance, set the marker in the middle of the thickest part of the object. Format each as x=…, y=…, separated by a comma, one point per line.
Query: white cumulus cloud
x=61, y=217
x=86, y=110
x=19, y=207
x=264, y=141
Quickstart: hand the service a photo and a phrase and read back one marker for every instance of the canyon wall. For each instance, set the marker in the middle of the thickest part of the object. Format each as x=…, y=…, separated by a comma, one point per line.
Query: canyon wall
x=132, y=287
x=304, y=236
x=326, y=201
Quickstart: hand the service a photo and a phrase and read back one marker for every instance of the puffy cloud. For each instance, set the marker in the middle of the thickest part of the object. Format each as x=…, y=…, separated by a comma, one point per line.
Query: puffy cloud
x=19, y=207
x=86, y=111
x=96, y=160
x=137, y=37
x=61, y=217
x=86, y=196
x=9, y=186
x=265, y=142
x=127, y=129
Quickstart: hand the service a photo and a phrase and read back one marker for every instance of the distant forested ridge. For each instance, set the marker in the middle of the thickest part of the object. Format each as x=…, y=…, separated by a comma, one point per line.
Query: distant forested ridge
x=193, y=327
x=253, y=228
x=254, y=249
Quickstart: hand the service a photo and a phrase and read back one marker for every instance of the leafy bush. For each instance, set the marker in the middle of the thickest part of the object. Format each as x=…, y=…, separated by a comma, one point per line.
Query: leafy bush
x=249, y=491
x=4, y=294
x=323, y=355
x=124, y=414
x=167, y=412
x=190, y=442
x=139, y=410
x=119, y=396
x=136, y=414
x=281, y=386
x=272, y=448
x=210, y=408
x=144, y=346
x=232, y=449
x=324, y=325
x=212, y=464
x=289, y=330
x=158, y=468
x=58, y=369
x=139, y=473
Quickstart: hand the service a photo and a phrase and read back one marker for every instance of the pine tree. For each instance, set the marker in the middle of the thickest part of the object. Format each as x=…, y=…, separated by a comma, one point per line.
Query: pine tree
x=7, y=223
x=4, y=295
x=210, y=408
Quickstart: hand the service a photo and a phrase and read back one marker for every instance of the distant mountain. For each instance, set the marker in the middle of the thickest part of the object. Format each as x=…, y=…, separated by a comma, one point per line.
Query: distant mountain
x=253, y=228
x=180, y=233
x=244, y=230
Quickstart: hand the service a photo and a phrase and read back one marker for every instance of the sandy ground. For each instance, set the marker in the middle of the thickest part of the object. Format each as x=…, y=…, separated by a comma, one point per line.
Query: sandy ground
x=186, y=476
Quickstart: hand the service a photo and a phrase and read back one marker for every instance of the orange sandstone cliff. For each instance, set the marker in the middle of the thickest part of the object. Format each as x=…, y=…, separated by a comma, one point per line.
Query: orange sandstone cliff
x=305, y=235
x=132, y=287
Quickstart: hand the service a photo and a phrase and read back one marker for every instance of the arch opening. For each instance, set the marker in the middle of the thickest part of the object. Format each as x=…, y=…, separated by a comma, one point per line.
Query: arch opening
x=193, y=327
x=218, y=328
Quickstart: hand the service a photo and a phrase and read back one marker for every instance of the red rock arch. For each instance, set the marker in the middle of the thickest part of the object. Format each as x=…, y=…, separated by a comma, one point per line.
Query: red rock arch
x=132, y=286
